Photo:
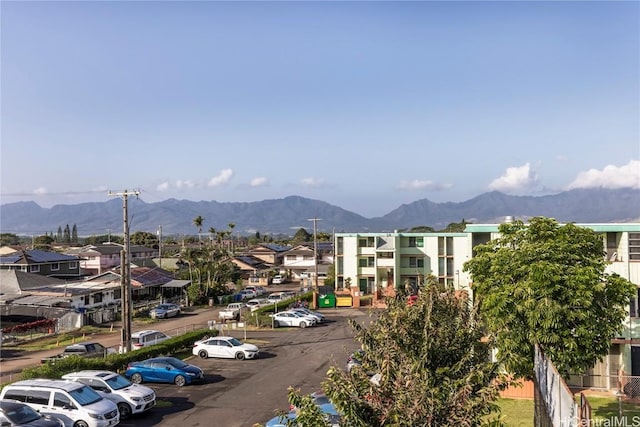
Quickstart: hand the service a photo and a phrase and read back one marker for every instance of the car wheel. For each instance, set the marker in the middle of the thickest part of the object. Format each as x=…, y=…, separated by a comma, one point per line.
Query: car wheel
x=80, y=424
x=136, y=378
x=303, y=324
x=239, y=355
x=179, y=380
x=276, y=324
x=203, y=354
x=125, y=410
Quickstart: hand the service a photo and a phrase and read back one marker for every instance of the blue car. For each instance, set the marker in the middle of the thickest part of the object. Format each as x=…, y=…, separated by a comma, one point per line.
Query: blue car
x=163, y=370
x=331, y=415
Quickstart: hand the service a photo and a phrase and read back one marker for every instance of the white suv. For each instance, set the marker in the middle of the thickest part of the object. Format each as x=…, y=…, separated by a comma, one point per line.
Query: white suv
x=73, y=403
x=130, y=398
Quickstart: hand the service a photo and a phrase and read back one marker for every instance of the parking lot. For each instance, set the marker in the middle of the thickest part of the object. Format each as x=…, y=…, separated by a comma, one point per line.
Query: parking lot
x=242, y=393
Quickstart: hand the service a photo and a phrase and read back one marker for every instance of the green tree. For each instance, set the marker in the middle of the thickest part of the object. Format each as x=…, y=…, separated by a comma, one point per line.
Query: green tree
x=8, y=239
x=144, y=238
x=74, y=234
x=198, y=221
x=430, y=366
x=59, y=234
x=422, y=229
x=67, y=234
x=456, y=227
x=545, y=284
x=301, y=236
x=42, y=242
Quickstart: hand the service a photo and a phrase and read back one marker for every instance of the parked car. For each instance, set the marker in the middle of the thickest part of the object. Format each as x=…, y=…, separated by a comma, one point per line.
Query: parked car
x=276, y=297
x=259, y=290
x=73, y=403
x=278, y=280
x=86, y=349
x=18, y=414
x=129, y=398
x=256, y=303
x=332, y=417
x=291, y=318
x=146, y=338
x=354, y=359
x=226, y=348
x=319, y=317
x=248, y=294
x=164, y=370
x=232, y=311
x=163, y=311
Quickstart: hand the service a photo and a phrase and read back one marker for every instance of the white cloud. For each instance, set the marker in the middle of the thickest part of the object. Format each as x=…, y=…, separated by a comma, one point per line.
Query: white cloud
x=163, y=187
x=40, y=191
x=514, y=179
x=260, y=181
x=627, y=176
x=313, y=182
x=222, y=178
x=422, y=184
x=180, y=184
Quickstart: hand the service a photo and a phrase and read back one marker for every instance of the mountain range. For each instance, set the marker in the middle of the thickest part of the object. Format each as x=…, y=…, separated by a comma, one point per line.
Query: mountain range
x=287, y=215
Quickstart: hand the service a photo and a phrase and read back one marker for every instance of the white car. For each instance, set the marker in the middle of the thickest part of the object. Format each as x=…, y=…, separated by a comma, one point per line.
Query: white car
x=163, y=311
x=319, y=317
x=248, y=293
x=130, y=398
x=277, y=280
x=291, y=318
x=259, y=290
x=256, y=303
x=226, y=348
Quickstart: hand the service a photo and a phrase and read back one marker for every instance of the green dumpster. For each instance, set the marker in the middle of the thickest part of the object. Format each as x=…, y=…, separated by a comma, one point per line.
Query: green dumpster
x=327, y=301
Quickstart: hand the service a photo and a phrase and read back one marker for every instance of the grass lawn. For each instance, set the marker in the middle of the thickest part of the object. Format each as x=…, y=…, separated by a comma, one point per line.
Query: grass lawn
x=516, y=412
x=604, y=411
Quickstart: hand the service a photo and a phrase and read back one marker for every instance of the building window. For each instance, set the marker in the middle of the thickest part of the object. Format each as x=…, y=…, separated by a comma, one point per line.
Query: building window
x=416, y=242
x=97, y=297
x=340, y=245
x=366, y=242
x=445, y=260
x=415, y=262
x=34, y=269
x=73, y=265
x=308, y=257
x=366, y=262
x=386, y=255
x=291, y=257
x=117, y=293
x=634, y=246
x=55, y=266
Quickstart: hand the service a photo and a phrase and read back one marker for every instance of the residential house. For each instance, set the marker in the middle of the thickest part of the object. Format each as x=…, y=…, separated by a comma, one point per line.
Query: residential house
x=299, y=262
x=41, y=262
x=270, y=253
x=97, y=259
x=253, y=269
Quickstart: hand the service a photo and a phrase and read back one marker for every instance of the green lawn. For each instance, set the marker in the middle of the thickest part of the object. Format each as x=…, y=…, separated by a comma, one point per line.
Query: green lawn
x=604, y=411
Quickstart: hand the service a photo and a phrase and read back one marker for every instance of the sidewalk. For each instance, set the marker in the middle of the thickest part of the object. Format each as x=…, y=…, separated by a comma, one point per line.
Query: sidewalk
x=12, y=364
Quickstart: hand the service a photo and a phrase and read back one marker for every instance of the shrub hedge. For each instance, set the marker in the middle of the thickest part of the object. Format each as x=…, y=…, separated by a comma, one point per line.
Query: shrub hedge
x=115, y=362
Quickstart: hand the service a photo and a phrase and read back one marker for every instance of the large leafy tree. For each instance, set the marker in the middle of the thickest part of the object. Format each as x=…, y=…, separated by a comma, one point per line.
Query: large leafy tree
x=144, y=238
x=431, y=366
x=545, y=283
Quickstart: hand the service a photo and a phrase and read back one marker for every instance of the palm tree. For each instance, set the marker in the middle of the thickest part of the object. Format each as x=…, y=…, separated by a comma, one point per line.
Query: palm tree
x=197, y=221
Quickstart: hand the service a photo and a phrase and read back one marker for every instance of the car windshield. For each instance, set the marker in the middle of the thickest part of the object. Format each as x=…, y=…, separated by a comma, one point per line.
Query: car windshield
x=85, y=396
x=22, y=415
x=164, y=307
x=118, y=382
x=235, y=342
x=177, y=363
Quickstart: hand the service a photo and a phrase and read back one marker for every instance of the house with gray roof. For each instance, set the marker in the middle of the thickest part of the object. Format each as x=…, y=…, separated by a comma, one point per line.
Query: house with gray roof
x=44, y=263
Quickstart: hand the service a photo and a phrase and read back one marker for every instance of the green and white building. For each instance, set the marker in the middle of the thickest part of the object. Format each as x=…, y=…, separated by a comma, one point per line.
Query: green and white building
x=373, y=262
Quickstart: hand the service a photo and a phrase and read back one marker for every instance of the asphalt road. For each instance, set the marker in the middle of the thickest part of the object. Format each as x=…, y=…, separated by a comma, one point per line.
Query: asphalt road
x=242, y=393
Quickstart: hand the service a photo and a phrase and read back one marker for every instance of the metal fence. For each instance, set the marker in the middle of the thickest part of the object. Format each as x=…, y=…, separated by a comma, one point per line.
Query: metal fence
x=554, y=404
x=626, y=385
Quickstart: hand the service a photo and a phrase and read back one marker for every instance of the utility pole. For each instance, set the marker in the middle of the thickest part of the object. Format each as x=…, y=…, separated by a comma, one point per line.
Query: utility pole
x=160, y=246
x=315, y=260
x=125, y=271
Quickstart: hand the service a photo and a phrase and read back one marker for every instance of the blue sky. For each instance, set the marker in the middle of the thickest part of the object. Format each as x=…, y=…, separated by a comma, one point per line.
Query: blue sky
x=364, y=105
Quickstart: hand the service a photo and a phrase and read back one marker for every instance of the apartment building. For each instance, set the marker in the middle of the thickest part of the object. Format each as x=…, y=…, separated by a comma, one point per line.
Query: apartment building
x=375, y=262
